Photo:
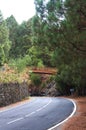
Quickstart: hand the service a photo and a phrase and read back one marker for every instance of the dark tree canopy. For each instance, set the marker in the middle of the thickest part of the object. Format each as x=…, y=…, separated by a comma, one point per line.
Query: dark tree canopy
x=63, y=25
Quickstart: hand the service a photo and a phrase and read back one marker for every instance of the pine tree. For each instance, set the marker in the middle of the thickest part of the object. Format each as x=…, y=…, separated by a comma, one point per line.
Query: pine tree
x=66, y=33
x=4, y=41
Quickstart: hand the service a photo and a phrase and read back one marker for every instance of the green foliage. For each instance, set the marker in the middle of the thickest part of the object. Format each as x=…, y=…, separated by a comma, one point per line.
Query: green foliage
x=43, y=85
x=21, y=63
x=13, y=27
x=64, y=80
x=64, y=30
x=5, y=44
x=71, y=76
x=34, y=53
x=39, y=39
x=55, y=36
x=2, y=56
x=36, y=79
x=20, y=35
x=40, y=64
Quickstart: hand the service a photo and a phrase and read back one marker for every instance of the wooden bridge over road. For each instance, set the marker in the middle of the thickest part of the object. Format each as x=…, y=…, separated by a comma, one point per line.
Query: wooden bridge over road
x=49, y=71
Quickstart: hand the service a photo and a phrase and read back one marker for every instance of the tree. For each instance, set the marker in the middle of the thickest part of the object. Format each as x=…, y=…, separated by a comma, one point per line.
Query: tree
x=20, y=35
x=23, y=40
x=73, y=35
x=65, y=31
x=13, y=27
x=4, y=41
x=39, y=39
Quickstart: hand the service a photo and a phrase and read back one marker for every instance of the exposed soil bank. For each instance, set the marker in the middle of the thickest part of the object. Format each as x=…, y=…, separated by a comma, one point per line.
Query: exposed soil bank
x=78, y=121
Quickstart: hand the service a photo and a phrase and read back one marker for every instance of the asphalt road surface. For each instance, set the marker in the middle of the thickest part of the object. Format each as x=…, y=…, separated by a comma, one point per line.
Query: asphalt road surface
x=40, y=113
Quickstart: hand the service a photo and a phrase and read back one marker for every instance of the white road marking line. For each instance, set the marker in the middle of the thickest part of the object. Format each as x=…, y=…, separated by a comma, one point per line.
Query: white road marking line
x=15, y=120
x=74, y=110
x=39, y=109
x=44, y=106
x=30, y=114
x=14, y=107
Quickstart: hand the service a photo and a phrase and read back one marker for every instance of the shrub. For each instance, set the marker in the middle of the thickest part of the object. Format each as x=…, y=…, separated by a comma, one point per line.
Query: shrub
x=20, y=63
x=40, y=64
x=36, y=79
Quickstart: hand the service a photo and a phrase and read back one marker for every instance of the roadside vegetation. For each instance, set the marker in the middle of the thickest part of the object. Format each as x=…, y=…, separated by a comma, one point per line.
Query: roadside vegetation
x=55, y=37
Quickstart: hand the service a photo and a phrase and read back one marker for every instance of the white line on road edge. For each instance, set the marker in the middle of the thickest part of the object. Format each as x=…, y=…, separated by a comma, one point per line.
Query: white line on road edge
x=74, y=110
x=15, y=120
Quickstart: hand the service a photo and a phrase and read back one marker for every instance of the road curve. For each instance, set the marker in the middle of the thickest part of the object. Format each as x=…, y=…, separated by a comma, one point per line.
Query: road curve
x=41, y=113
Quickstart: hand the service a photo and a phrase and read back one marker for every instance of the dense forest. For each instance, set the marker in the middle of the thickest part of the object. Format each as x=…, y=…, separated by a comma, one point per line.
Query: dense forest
x=54, y=37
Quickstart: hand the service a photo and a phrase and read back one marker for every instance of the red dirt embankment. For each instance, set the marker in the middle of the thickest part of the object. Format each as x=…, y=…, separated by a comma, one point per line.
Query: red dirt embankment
x=78, y=121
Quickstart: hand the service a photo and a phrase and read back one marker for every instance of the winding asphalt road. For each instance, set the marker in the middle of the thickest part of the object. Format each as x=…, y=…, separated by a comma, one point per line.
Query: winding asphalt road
x=40, y=113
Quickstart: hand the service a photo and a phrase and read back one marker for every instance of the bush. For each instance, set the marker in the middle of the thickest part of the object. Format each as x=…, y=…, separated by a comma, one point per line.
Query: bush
x=20, y=63
x=40, y=64
x=72, y=76
x=36, y=79
x=64, y=80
